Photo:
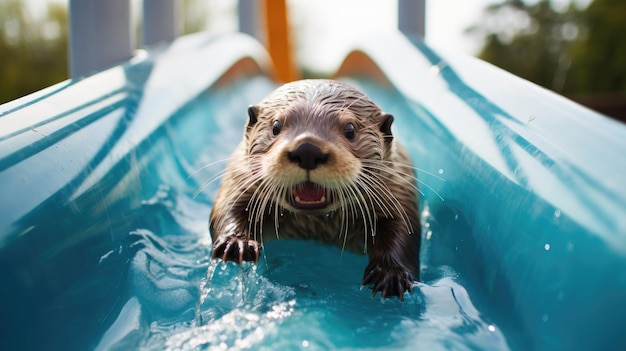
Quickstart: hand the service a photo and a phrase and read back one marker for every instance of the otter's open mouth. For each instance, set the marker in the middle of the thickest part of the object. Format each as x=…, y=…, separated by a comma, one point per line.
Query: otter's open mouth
x=309, y=196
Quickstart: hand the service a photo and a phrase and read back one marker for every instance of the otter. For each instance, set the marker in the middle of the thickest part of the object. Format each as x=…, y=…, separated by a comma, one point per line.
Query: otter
x=318, y=161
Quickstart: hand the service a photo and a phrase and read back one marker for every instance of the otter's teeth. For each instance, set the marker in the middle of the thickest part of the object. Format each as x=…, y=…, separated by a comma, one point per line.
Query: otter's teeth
x=300, y=201
x=309, y=195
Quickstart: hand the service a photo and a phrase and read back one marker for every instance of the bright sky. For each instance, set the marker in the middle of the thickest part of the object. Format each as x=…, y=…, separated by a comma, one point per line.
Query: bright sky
x=327, y=26
x=325, y=29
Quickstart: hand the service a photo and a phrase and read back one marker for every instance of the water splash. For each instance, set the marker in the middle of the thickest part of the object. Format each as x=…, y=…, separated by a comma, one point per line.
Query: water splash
x=301, y=295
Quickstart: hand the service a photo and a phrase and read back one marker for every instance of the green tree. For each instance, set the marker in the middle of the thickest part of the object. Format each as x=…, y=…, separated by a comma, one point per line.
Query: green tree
x=33, y=54
x=568, y=49
x=599, y=54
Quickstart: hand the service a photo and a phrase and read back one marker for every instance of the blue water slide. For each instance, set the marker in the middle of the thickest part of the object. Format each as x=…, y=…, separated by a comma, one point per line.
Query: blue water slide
x=532, y=212
x=106, y=184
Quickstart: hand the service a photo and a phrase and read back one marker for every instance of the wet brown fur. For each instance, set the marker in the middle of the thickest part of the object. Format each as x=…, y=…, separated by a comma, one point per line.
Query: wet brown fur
x=369, y=179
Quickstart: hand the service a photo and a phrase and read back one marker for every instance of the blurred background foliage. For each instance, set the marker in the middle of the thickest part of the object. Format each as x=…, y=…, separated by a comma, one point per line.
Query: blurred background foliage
x=33, y=52
x=574, y=50
x=566, y=49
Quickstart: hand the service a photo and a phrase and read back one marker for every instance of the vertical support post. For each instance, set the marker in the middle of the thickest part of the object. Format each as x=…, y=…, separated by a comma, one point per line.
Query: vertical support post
x=278, y=41
x=100, y=34
x=247, y=12
x=159, y=21
x=412, y=17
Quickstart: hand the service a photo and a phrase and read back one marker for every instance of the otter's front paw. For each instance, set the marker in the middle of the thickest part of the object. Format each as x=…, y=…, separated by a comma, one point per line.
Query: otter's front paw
x=232, y=248
x=390, y=281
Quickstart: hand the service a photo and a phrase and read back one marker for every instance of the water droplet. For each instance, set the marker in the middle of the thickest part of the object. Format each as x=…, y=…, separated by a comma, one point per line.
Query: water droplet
x=547, y=247
x=561, y=295
x=440, y=171
x=429, y=234
x=491, y=328
x=531, y=118
x=456, y=217
x=557, y=213
x=427, y=225
x=545, y=318
x=327, y=215
x=305, y=343
x=570, y=246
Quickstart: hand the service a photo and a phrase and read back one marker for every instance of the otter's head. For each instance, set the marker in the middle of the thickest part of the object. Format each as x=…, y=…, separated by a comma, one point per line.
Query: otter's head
x=312, y=143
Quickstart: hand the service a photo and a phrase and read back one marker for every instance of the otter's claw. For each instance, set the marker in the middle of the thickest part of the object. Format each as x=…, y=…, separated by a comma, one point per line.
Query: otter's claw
x=392, y=281
x=232, y=248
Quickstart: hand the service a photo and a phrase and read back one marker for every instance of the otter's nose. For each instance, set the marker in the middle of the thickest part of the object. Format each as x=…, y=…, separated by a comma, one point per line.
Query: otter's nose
x=307, y=156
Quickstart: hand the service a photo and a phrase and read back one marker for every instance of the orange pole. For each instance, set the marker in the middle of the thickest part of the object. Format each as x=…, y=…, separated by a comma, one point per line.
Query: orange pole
x=277, y=39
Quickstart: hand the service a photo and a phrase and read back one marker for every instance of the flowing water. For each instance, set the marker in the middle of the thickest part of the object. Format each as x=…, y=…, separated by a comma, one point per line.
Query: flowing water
x=302, y=295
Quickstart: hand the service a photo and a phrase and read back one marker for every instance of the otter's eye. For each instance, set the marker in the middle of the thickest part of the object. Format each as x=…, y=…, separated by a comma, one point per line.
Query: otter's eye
x=349, y=131
x=276, y=127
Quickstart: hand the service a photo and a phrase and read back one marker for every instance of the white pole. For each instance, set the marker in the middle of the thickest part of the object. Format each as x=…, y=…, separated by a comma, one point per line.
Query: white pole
x=100, y=35
x=159, y=21
x=412, y=17
x=248, y=12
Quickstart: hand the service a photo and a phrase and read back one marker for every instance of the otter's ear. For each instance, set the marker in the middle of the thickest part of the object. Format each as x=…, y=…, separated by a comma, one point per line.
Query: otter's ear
x=253, y=113
x=385, y=126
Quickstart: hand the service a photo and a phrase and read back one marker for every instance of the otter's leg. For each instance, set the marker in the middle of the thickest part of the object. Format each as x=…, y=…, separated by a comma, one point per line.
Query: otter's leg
x=231, y=237
x=393, y=265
